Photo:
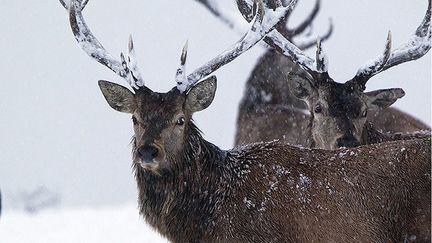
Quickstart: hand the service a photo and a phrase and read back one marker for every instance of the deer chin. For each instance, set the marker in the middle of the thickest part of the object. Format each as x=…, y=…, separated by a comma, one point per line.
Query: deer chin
x=149, y=166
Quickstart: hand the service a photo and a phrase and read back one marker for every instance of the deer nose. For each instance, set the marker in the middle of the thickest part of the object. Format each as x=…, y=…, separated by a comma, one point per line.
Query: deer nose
x=148, y=152
x=347, y=141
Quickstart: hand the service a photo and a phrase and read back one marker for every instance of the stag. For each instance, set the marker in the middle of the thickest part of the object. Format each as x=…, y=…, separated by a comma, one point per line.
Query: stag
x=192, y=191
x=338, y=112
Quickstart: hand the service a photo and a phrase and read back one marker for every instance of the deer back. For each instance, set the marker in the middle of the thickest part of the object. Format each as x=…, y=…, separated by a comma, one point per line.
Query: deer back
x=376, y=193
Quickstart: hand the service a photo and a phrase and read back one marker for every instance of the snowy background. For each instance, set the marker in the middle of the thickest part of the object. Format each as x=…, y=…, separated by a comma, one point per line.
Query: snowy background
x=63, y=147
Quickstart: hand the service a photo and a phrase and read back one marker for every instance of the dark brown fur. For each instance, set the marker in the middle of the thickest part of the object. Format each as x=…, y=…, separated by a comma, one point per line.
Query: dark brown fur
x=276, y=193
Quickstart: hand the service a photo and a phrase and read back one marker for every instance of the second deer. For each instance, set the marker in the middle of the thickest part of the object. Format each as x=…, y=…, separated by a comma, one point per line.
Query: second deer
x=338, y=111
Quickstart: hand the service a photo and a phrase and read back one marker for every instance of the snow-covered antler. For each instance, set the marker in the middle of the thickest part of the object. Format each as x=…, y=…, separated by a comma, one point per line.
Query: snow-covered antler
x=125, y=68
x=417, y=46
x=264, y=21
x=245, y=8
x=282, y=44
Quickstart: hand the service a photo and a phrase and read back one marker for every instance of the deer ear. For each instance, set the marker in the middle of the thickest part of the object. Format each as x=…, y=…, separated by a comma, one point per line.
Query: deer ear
x=118, y=97
x=300, y=86
x=383, y=98
x=201, y=95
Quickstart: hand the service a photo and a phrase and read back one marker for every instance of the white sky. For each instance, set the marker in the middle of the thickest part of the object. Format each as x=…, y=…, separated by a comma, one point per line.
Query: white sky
x=56, y=129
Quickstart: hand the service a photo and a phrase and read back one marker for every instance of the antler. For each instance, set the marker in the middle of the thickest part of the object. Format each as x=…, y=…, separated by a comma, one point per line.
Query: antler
x=307, y=22
x=308, y=43
x=321, y=59
x=181, y=71
x=282, y=44
x=125, y=68
x=417, y=46
x=264, y=21
x=246, y=9
x=66, y=6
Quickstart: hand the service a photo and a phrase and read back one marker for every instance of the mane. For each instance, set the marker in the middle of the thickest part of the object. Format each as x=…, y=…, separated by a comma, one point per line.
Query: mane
x=187, y=193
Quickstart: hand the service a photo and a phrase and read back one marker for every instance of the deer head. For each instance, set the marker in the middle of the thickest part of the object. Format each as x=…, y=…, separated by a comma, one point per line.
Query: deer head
x=163, y=121
x=339, y=110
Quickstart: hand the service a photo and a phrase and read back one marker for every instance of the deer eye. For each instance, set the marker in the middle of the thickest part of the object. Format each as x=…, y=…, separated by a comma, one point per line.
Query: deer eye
x=318, y=108
x=364, y=113
x=180, y=121
x=134, y=120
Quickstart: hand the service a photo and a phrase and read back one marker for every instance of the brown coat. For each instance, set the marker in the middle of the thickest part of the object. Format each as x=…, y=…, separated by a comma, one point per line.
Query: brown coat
x=270, y=192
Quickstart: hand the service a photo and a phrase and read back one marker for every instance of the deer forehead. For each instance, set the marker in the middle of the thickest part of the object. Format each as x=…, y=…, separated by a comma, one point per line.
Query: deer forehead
x=159, y=105
x=341, y=99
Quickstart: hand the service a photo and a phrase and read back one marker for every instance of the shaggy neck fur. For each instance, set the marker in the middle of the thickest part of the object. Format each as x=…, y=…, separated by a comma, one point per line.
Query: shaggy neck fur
x=180, y=202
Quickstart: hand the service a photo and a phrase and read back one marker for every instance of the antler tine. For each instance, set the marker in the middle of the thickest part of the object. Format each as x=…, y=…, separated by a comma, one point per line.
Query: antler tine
x=180, y=77
x=376, y=65
x=245, y=9
x=282, y=26
x=134, y=75
x=417, y=46
x=307, y=22
x=66, y=6
x=126, y=69
x=321, y=59
x=265, y=21
x=306, y=44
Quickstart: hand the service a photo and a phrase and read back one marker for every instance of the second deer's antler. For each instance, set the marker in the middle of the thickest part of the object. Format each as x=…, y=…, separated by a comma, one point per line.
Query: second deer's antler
x=417, y=46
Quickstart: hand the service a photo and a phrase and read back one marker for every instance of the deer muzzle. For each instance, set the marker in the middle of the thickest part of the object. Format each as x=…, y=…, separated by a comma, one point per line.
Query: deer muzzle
x=348, y=141
x=150, y=155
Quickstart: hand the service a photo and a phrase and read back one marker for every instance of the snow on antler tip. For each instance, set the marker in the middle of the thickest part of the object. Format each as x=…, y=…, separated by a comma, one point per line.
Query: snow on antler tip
x=132, y=65
x=388, y=46
x=184, y=53
x=376, y=65
x=131, y=44
x=321, y=58
x=180, y=78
